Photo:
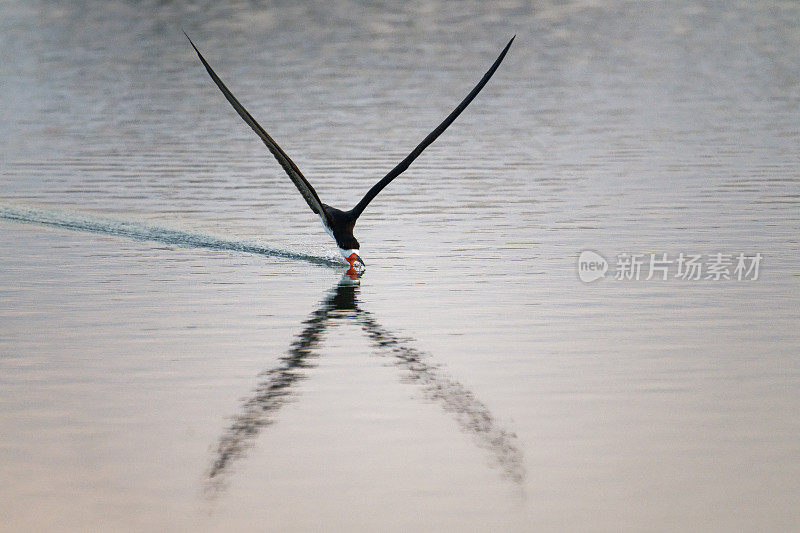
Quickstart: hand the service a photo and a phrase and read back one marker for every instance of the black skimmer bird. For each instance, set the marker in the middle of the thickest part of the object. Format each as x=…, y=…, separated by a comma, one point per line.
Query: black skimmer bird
x=339, y=224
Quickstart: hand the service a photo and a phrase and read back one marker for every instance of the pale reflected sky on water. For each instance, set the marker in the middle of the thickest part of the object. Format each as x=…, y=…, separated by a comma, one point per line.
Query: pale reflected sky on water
x=177, y=351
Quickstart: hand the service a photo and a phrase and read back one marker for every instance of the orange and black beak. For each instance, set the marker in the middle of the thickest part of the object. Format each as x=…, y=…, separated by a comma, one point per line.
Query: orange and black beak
x=353, y=259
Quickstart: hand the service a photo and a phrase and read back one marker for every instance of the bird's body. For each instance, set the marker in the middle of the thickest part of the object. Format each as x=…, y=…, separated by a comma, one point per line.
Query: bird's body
x=337, y=223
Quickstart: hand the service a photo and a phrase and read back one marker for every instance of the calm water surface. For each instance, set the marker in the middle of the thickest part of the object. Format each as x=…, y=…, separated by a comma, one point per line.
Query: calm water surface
x=178, y=350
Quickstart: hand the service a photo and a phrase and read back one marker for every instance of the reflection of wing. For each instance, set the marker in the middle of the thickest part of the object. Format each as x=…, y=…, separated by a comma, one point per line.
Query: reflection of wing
x=288, y=165
x=470, y=413
x=341, y=304
x=270, y=395
x=403, y=165
x=276, y=390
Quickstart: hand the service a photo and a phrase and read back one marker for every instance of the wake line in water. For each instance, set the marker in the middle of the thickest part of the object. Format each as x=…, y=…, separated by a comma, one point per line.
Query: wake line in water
x=142, y=232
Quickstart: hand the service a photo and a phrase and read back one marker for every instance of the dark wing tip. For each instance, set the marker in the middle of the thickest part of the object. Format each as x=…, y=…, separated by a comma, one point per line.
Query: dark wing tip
x=191, y=41
x=195, y=48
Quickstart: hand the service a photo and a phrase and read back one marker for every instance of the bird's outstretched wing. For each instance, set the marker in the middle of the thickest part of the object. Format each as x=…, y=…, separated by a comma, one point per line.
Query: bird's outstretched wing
x=404, y=164
x=288, y=165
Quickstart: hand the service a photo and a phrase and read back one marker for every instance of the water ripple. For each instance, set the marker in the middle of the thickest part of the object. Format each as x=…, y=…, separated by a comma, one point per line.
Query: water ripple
x=143, y=232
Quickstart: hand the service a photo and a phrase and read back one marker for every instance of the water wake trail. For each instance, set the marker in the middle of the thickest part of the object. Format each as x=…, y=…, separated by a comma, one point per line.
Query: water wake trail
x=143, y=232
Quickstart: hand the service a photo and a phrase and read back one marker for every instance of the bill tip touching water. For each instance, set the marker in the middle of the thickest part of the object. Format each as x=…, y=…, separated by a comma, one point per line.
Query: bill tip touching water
x=337, y=223
x=357, y=267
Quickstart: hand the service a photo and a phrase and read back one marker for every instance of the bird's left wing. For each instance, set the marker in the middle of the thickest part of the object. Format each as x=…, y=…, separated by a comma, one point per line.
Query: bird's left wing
x=302, y=184
x=403, y=165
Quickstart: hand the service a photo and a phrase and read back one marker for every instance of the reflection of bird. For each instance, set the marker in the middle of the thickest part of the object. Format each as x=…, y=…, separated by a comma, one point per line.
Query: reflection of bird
x=339, y=224
x=342, y=305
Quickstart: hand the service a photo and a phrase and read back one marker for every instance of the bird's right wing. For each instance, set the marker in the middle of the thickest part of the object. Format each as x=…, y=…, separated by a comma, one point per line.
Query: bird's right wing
x=302, y=184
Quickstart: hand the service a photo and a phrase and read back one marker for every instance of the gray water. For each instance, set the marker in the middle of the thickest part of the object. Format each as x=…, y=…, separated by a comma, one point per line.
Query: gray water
x=180, y=351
